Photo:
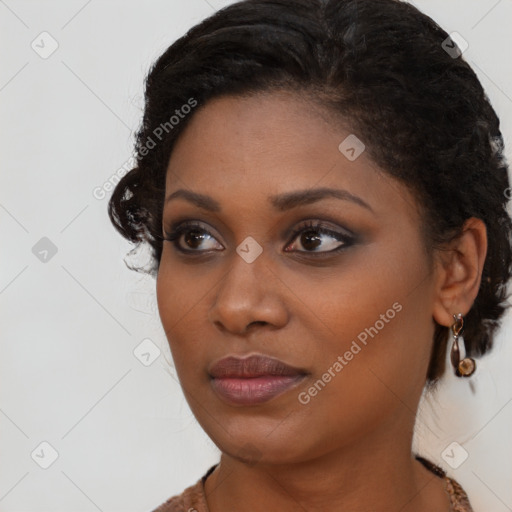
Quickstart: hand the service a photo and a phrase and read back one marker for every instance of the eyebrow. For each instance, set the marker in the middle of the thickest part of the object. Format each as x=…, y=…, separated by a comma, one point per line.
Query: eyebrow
x=281, y=202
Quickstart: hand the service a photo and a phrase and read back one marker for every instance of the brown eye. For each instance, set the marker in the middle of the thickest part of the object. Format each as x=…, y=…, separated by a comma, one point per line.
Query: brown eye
x=316, y=238
x=195, y=237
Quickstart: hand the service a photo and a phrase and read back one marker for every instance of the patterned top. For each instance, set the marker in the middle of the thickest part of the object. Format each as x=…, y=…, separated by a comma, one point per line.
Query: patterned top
x=193, y=498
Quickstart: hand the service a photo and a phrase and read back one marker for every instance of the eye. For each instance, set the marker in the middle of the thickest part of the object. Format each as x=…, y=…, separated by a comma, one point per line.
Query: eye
x=315, y=234
x=312, y=236
x=194, y=234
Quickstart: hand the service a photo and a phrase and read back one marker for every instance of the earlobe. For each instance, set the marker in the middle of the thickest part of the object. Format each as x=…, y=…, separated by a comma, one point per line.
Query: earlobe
x=459, y=272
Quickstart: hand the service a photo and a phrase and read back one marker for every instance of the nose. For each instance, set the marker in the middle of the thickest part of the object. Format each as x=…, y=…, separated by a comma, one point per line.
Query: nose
x=248, y=295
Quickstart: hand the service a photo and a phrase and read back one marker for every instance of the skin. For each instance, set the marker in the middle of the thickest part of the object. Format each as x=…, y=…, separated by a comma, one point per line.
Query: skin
x=349, y=448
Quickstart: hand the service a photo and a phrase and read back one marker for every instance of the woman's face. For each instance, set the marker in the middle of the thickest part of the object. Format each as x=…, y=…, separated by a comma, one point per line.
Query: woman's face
x=349, y=308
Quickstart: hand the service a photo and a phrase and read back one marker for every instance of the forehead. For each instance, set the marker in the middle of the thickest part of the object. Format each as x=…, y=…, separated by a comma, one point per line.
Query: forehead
x=245, y=149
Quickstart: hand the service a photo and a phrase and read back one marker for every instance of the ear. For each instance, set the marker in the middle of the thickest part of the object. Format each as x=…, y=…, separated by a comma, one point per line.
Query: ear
x=459, y=272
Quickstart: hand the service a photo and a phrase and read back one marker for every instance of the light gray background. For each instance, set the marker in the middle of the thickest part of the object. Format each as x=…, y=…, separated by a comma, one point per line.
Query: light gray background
x=125, y=437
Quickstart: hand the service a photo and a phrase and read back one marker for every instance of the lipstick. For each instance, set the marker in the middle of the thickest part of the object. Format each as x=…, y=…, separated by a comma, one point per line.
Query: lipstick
x=253, y=380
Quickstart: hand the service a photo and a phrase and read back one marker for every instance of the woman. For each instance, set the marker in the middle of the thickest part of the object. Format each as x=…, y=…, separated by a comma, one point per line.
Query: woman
x=323, y=187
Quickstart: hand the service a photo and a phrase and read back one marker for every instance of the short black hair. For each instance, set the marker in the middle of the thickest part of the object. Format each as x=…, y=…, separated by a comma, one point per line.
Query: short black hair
x=380, y=65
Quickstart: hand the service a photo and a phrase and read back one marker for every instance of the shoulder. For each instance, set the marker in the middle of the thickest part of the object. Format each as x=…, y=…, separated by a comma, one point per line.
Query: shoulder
x=188, y=500
x=459, y=500
x=192, y=499
x=458, y=497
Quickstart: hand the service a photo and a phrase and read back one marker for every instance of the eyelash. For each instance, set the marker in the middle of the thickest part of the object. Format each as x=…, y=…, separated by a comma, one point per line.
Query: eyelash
x=322, y=230
x=319, y=227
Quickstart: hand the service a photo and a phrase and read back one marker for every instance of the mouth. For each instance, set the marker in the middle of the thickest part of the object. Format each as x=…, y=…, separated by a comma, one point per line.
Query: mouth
x=253, y=380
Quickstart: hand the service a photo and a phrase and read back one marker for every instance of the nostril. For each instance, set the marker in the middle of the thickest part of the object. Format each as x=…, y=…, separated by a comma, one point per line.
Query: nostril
x=257, y=322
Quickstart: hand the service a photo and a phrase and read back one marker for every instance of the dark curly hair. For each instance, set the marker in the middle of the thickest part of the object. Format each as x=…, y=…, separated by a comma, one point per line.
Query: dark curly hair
x=383, y=67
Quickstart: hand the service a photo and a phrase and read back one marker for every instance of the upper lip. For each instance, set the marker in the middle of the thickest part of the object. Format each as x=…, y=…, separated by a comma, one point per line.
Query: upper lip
x=252, y=366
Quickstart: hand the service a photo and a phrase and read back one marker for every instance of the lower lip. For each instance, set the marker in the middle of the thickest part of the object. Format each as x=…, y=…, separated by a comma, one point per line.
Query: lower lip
x=256, y=390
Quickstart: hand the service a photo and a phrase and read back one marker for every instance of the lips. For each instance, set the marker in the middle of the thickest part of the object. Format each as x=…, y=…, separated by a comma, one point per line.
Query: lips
x=253, y=380
x=253, y=366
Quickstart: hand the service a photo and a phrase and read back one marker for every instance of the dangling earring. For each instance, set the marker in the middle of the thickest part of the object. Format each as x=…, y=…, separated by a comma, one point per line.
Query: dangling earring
x=467, y=366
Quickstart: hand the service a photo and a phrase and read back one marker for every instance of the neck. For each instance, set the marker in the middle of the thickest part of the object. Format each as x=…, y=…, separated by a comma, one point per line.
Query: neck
x=376, y=472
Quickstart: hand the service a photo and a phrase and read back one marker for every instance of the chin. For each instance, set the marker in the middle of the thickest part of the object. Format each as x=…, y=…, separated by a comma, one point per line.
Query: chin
x=263, y=449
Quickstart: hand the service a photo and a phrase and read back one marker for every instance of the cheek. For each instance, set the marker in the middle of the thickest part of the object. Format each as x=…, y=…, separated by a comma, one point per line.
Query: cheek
x=180, y=290
x=376, y=318
x=180, y=305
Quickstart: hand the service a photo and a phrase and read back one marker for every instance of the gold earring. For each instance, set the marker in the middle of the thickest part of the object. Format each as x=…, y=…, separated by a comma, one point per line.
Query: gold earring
x=467, y=366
